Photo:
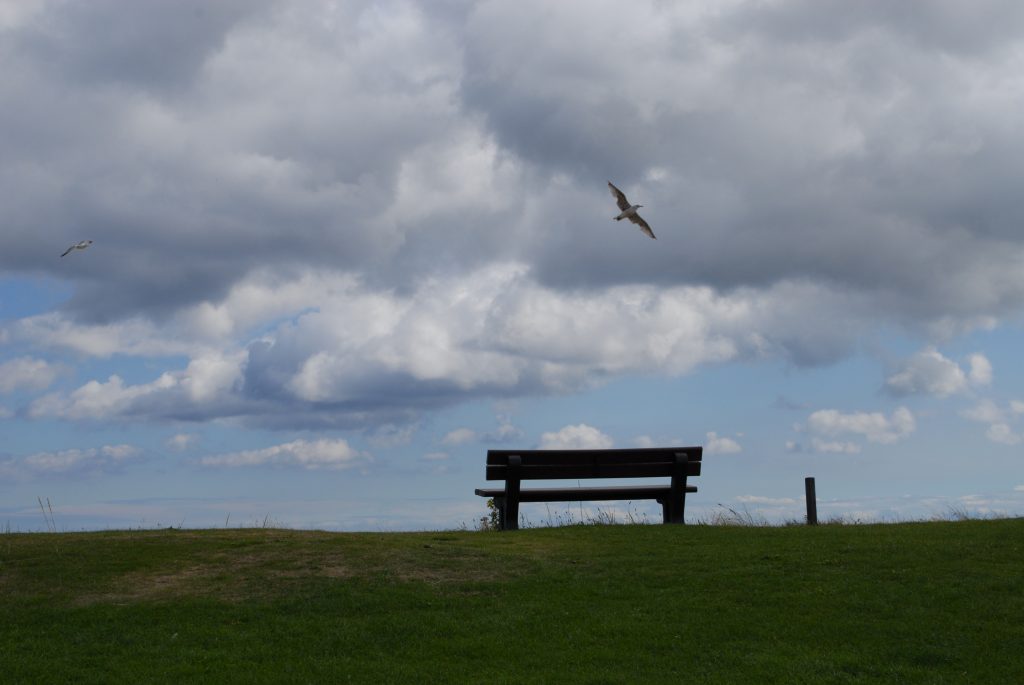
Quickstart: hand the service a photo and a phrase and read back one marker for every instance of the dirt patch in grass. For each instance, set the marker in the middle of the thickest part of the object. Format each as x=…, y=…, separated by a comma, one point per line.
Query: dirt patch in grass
x=136, y=587
x=242, y=566
x=228, y=577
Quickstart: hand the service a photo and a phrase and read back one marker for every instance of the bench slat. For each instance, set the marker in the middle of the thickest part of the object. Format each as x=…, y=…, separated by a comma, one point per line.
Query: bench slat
x=586, y=494
x=557, y=471
x=621, y=456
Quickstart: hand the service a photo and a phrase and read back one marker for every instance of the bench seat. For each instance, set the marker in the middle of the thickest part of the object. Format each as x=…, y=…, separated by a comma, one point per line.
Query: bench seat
x=623, y=492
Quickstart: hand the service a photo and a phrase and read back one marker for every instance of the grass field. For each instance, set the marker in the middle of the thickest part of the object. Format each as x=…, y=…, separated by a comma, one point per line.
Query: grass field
x=936, y=602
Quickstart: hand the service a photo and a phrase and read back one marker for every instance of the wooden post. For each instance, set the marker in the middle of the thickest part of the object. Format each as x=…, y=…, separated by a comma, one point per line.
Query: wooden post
x=812, y=501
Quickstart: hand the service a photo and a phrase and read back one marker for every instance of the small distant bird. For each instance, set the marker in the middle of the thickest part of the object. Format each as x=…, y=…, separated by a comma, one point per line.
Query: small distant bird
x=629, y=211
x=80, y=245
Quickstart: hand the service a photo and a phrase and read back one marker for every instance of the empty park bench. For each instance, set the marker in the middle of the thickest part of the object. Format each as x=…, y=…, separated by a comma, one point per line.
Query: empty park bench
x=513, y=466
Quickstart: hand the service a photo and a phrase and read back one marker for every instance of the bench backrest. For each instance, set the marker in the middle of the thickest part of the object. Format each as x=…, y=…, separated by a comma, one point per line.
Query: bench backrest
x=621, y=463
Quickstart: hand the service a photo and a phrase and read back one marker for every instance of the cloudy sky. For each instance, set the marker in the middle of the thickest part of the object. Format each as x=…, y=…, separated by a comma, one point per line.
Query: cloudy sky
x=342, y=248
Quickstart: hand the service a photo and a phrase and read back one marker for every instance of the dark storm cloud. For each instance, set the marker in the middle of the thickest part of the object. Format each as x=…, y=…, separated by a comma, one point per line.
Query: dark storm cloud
x=151, y=45
x=940, y=25
x=549, y=91
x=815, y=170
x=767, y=142
x=825, y=141
x=196, y=142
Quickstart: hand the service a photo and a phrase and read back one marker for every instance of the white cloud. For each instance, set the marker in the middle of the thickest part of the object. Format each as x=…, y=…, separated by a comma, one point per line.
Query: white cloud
x=834, y=446
x=182, y=441
x=9, y=469
x=135, y=336
x=986, y=411
x=436, y=456
x=206, y=380
x=981, y=370
x=437, y=462
x=1002, y=433
x=875, y=427
x=96, y=400
x=928, y=372
x=211, y=376
x=28, y=373
x=579, y=436
x=388, y=435
x=197, y=331
x=317, y=454
x=646, y=441
x=504, y=433
x=459, y=436
x=1000, y=429
x=643, y=441
x=721, y=445
x=102, y=458
x=327, y=339
x=773, y=501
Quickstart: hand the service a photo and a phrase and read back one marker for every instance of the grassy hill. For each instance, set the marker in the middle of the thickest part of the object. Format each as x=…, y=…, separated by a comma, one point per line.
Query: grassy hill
x=937, y=602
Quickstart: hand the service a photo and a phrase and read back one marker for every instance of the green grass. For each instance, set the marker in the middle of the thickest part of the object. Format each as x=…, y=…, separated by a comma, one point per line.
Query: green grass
x=936, y=602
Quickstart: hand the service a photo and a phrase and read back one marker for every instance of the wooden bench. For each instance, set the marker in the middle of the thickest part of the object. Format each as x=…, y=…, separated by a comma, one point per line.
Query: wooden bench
x=513, y=466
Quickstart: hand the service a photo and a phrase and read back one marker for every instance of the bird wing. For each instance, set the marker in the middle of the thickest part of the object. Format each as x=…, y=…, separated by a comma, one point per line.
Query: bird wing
x=620, y=197
x=67, y=251
x=642, y=224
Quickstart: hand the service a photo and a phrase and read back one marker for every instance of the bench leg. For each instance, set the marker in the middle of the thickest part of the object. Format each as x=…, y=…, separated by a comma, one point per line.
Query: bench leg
x=511, y=507
x=670, y=513
x=508, y=513
x=510, y=518
x=677, y=499
x=678, y=517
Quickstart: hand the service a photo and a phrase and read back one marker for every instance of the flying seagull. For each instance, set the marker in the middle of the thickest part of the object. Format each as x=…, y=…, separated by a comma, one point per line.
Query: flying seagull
x=629, y=211
x=80, y=245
